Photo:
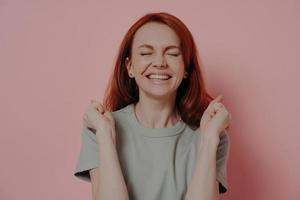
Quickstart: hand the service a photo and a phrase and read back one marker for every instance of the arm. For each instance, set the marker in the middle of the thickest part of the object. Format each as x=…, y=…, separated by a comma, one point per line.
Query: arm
x=203, y=184
x=94, y=174
x=107, y=179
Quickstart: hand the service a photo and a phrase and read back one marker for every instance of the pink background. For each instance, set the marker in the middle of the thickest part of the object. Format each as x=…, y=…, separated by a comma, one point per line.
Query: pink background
x=57, y=55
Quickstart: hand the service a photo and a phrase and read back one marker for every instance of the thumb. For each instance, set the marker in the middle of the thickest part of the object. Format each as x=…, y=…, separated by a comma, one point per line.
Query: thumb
x=211, y=103
x=218, y=98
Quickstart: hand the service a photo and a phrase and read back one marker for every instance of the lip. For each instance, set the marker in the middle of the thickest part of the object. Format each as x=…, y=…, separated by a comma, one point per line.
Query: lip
x=158, y=81
x=158, y=73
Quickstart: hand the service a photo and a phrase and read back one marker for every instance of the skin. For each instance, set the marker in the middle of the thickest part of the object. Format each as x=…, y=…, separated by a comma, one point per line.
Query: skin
x=107, y=179
x=156, y=109
x=157, y=100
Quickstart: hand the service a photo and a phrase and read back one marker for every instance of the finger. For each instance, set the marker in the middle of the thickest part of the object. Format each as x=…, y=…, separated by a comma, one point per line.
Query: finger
x=97, y=105
x=217, y=106
x=100, y=108
x=93, y=101
x=215, y=110
x=108, y=115
x=85, y=117
x=85, y=120
x=85, y=123
x=211, y=103
x=226, y=115
x=217, y=99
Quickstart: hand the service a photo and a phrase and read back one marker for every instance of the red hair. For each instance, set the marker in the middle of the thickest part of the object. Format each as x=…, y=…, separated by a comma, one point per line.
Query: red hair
x=192, y=98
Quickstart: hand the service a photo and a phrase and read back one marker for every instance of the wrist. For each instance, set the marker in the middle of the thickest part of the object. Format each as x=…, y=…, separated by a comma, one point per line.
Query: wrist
x=105, y=137
x=209, y=141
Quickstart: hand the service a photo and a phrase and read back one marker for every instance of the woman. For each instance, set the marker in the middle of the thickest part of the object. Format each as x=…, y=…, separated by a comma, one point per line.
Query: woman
x=158, y=134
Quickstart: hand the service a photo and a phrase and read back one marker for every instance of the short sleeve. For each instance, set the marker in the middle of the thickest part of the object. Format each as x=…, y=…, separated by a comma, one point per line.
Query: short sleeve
x=88, y=156
x=222, y=158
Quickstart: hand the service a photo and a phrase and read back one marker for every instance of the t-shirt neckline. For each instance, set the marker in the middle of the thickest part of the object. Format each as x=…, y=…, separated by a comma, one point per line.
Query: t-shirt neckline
x=155, y=132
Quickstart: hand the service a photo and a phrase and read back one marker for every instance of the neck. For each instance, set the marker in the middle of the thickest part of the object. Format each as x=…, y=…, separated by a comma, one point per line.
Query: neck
x=157, y=114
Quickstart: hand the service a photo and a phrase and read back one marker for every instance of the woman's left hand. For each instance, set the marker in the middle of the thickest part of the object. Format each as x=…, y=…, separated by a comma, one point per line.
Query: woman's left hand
x=215, y=119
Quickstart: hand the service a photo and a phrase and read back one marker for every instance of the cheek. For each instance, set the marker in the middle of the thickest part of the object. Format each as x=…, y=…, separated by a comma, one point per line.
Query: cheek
x=179, y=69
x=178, y=80
x=179, y=74
x=140, y=63
x=177, y=63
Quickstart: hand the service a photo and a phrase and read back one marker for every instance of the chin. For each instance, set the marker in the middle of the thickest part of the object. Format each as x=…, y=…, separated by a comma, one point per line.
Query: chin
x=158, y=93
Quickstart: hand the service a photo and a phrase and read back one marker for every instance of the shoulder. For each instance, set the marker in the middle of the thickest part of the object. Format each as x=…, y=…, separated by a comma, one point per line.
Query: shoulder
x=123, y=112
x=188, y=138
x=123, y=119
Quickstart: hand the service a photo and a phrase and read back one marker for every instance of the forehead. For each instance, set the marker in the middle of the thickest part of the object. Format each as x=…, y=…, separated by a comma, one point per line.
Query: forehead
x=155, y=34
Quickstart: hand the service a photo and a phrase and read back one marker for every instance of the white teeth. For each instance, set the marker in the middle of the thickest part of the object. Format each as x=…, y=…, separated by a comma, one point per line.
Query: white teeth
x=156, y=76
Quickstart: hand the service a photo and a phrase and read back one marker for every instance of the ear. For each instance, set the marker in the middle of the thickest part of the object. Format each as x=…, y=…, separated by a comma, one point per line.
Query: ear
x=128, y=64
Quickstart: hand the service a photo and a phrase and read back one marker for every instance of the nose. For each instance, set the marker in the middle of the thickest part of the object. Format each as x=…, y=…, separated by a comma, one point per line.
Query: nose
x=159, y=62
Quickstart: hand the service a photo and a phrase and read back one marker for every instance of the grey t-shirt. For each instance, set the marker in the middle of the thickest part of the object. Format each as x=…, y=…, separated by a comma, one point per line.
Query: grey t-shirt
x=157, y=163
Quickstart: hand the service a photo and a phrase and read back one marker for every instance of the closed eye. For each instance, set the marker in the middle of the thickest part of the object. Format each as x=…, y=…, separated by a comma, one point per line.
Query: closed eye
x=150, y=53
x=145, y=54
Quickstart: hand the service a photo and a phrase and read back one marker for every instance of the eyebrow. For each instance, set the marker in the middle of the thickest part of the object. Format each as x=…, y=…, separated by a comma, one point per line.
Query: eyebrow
x=151, y=47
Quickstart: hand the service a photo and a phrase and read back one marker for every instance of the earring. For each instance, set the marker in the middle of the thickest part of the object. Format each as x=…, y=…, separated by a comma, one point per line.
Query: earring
x=130, y=74
x=185, y=74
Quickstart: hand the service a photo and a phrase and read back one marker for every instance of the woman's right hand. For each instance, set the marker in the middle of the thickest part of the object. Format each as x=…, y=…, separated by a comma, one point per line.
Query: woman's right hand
x=96, y=117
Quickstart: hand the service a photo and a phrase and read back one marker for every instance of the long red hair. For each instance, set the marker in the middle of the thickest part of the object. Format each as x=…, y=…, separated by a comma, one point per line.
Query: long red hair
x=192, y=98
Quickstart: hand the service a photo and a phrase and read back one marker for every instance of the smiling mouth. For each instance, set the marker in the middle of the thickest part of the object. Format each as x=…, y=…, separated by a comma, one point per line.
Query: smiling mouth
x=158, y=77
